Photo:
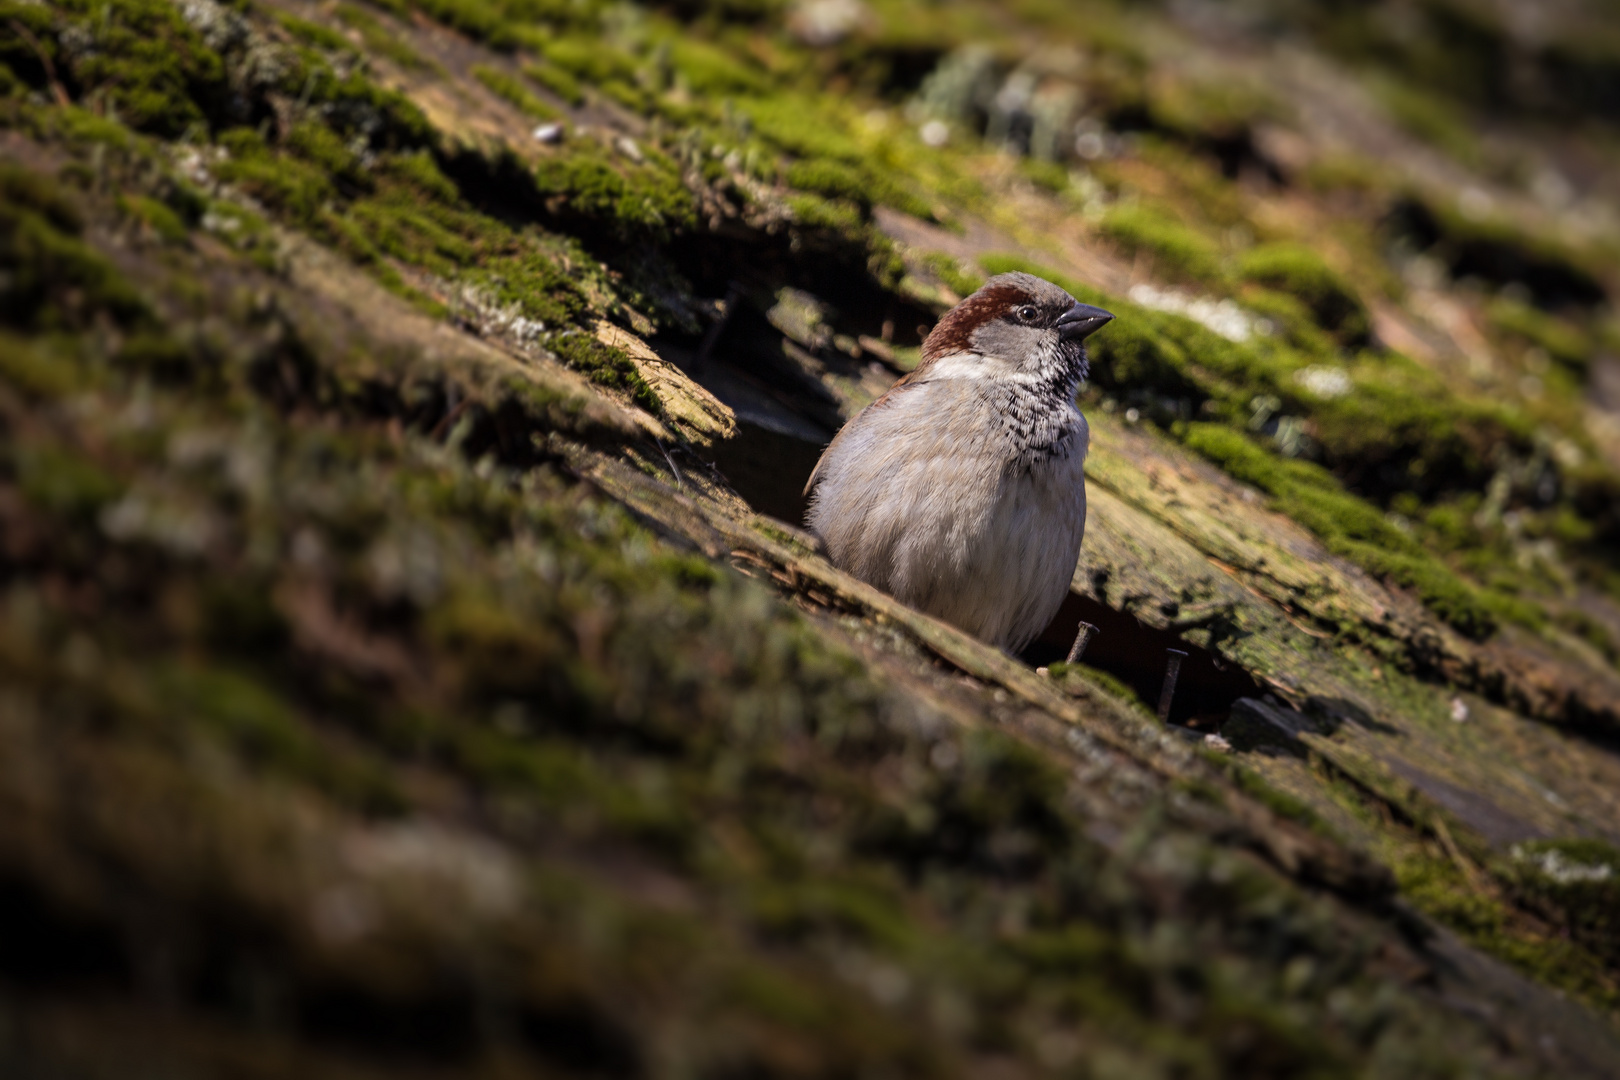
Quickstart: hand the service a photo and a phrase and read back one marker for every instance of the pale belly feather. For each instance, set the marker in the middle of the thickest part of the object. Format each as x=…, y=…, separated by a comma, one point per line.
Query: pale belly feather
x=924, y=499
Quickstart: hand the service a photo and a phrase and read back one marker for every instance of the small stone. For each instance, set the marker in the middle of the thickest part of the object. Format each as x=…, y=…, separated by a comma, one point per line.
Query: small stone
x=550, y=134
x=1045, y=673
x=935, y=133
x=627, y=146
x=1459, y=710
x=1218, y=744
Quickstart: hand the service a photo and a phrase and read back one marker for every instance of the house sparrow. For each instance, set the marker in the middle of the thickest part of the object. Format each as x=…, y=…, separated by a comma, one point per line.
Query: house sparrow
x=961, y=490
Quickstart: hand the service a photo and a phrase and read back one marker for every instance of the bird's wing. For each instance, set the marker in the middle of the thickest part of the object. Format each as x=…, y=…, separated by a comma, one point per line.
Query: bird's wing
x=901, y=385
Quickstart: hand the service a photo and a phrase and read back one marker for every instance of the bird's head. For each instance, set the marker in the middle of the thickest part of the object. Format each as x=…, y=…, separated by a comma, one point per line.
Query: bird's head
x=1018, y=320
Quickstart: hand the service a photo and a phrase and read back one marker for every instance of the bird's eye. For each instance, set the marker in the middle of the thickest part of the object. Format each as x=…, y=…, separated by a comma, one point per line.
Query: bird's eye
x=1027, y=312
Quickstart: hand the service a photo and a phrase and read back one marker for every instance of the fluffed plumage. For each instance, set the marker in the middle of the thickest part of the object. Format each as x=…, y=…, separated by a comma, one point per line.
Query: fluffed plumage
x=961, y=491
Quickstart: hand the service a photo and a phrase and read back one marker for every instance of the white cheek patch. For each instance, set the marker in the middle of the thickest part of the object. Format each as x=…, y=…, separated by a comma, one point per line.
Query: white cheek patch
x=965, y=366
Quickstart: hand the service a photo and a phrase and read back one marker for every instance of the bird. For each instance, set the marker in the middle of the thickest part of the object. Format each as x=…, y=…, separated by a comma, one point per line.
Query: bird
x=961, y=490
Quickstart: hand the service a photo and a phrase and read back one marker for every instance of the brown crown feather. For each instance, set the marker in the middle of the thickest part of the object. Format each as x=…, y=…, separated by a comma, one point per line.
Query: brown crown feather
x=954, y=333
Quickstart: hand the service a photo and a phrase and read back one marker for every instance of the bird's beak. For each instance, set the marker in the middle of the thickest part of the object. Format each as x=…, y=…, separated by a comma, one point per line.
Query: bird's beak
x=1080, y=321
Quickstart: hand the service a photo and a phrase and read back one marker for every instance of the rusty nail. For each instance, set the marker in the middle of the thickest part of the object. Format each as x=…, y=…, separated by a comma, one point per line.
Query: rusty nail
x=1172, y=672
x=1081, y=640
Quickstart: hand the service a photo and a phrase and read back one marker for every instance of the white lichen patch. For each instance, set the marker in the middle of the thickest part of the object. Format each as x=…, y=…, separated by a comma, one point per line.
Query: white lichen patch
x=1325, y=380
x=1561, y=868
x=1224, y=317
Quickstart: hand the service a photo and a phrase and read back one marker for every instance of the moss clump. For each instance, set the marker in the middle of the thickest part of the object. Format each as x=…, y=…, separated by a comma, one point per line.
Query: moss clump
x=378, y=39
x=299, y=189
x=956, y=275
x=1292, y=319
x=1498, y=250
x=591, y=59
x=630, y=201
x=1177, y=251
x=1591, y=631
x=1300, y=272
x=1349, y=527
x=1403, y=429
x=475, y=18
x=1577, y=884
x=1437, y=887
x=65, y=482
x=313, y=33
x=54, y=280
x=799, y=125
x=606, y=365
x=149, y=64
x=836, y=180
x=1558, y=338
x=706, y=69
x=1049, y=176
x=505, y=85
x=1430, y=118
x=556, y=80
x=37, y=371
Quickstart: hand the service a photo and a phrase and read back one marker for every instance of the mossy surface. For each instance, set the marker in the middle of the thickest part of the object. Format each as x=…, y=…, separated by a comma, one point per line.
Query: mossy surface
x=391, y=686
x=1301, y=273
x=1175, y=250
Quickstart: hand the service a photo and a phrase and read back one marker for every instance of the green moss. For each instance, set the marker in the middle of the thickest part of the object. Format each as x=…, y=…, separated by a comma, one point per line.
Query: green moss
x=313, y=33
x=604, y=364
x=1437, y=887
x=956, y=275
x=1049, y=176
x=81, y=127
x=149, y=65
x=799, y=125
x=65, y=482
x=295, y=188
x=419, y=172
x=1347, y=526
x=1560, y=339
x=1577, y=883
x=1295, y=321
x=1502, y=250
x=1176, y=251
x=378, y=39
x=512, y=89
x=591, y=59
x=36, y=370
x=1300, y=272
x=838, y=181
x=831, y=179
x=54, y=279
x=705, y=69
x=818, y=213
x=628, y=200
x=1430, y=118
x=1114, y=687
x=1206, y=111
x=154, y=215
x=1279, y=802
x=556, y=80
x=1591, y=631
x=475, y=18
x=266, y=730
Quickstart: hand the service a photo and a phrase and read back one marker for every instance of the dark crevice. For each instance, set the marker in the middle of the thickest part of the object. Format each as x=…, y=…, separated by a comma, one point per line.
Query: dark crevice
x=769, y=470
x=831, y=268
x=1500, y=260
x=1135, y=653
